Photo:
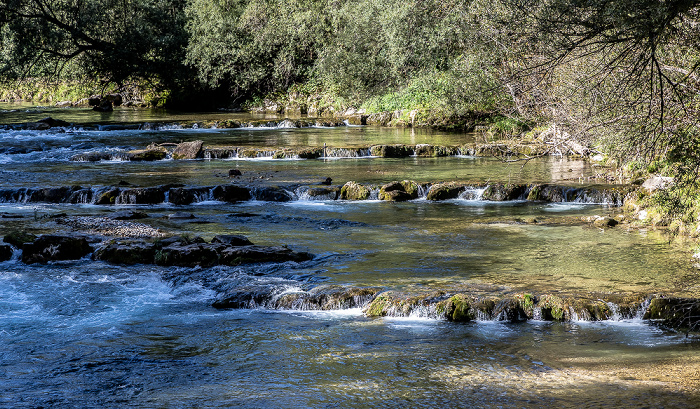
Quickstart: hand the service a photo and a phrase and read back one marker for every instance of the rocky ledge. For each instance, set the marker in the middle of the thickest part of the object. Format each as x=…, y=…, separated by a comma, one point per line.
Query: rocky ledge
x=396, y=191
x=480, y=304
x=229, y=250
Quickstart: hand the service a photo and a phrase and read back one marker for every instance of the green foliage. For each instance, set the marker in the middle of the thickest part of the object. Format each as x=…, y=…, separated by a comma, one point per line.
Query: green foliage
x=111, y=39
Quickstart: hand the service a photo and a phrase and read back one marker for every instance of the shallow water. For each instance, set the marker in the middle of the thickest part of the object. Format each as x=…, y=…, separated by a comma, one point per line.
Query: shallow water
x=88, y=334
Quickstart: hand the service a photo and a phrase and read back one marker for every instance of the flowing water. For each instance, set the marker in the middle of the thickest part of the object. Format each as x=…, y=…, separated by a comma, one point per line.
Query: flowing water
x=89, y=334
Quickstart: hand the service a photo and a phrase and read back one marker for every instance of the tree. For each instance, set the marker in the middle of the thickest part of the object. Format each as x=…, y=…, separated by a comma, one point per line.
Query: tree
x=624, y=69
x=112, y=39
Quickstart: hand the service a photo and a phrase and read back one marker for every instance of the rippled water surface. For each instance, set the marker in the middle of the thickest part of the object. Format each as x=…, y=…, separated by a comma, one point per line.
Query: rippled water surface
x=88, y=334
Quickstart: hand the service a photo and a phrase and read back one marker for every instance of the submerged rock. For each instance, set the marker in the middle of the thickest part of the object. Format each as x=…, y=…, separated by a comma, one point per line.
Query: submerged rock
x=55, y=247
x=128, y=215
x=233, y=256
x=232, y=240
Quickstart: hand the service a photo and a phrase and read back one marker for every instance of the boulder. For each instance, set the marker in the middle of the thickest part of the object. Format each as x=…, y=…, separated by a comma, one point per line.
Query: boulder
x=233, y=256
x=104, y=106
x=546, y=193
x=113, y=99
x=185, y=196
x=444, y=191
x=133, y=252
x=147, y=195
x=53, y=195
x=108, y=197
x=55, y=247
x=656, y=183
x=53, y=122
x=399, y=191
x=151, y=153
x=272, y=194
x=188, y=150
x=328, y=193
x=354, y=191
x=391, y=151
x=603, y=222
x=234, y=240
x=19, y=238
x=503, y=192
x=188, y=255
x=36, y=126
x=678, y=313
x=231, y=193
x=5, y=252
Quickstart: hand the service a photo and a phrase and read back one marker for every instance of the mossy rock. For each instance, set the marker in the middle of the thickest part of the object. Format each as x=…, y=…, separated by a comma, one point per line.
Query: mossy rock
x=444, y=191
x=458, y=308
x=552, y=307
x=678, y=313
x=148, y=155
x=354, y=191
x=379, y=307
x=391, y=151
x=395, y=192
x=19, y=238
x=503, y=192
x=109, y=197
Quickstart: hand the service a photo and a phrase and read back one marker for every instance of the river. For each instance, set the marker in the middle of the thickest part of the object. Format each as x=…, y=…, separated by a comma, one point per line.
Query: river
x=89, y=334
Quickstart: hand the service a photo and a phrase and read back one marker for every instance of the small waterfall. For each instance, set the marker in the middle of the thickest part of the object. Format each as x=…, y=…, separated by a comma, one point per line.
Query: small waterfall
x=615, y=314
x=125, y=198
x=337, y=153
x=472, y=193
x=643, y=307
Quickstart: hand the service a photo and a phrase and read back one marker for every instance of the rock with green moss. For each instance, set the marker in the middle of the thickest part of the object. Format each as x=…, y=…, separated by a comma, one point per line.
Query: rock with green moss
x=676, y=312
x=391, y=151
x=458, y=308
x=552, y=307
x=18, y=238
x=354, y=191
x=445, y=191
x=108, y=197
x=396, y=191
x=502, y=192
x=151, y=153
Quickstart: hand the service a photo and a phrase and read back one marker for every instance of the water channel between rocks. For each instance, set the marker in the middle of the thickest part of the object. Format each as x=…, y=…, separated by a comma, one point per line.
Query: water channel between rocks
x=86, y=333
